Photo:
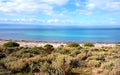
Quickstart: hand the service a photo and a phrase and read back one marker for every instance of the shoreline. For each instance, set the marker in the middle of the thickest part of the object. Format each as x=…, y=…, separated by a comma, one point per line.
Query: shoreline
x=29, y=43
x=57, y=41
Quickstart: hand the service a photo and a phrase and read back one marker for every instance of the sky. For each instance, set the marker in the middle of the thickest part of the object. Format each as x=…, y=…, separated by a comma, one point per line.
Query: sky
x=60, y=12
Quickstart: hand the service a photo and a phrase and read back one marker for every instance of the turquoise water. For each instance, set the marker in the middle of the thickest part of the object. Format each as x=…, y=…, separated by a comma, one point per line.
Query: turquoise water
x=62, y=35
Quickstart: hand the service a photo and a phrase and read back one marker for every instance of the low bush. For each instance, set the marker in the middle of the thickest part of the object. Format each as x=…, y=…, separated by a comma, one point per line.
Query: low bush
x=9, y=50
x=108, y=65
x=118, y=45
x=17, y=65
x=29, y=51
x=82, y=56
x=73, y=44
x=97, y=57
x=49, y=48
x=11, y=44
x=88, y=44
x=2, y=55
x=94, y=63
x=111, y=67
x=65, y=51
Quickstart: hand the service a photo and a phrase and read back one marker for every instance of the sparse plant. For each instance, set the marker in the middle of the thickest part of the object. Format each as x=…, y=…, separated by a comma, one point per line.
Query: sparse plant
x=88, y=44
x=29, y=51
x=73, y=44
x=2, y=55
x=94, y=63
x=49, y=48
x=11, y=44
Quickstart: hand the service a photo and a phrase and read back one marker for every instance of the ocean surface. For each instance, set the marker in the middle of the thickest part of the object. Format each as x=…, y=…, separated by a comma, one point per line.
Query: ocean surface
x=63, y=35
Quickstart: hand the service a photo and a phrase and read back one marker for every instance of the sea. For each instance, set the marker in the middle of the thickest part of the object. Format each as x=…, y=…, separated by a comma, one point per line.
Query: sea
x=62, y=34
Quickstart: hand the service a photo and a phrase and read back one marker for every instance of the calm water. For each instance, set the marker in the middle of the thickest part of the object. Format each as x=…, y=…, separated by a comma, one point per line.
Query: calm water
x=62, y=35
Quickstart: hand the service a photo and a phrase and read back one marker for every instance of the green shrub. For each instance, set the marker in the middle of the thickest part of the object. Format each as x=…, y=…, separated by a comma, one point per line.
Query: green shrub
x=29, y=51
x=49, y=48
x=73, y=44
x=89, y=44
x=11, y=44
x=9, y=50
x=65, y=51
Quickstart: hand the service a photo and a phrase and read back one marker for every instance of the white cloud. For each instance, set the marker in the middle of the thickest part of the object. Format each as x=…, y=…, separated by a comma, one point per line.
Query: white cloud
x=21, y=20
x=18, y=6
x=55, y=9
x=103, y=4
x=31, y=6
x=77, y=4
x=84, y=12
x=56, y=2
x=113, y=5
x=52, y=21
x=90, y=6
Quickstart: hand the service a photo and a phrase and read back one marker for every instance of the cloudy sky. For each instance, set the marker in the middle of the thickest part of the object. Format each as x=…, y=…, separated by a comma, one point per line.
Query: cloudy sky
x=60, y=12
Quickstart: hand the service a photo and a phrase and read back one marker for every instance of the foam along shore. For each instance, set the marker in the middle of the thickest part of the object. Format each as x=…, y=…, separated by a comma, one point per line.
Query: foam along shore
x=24, y=43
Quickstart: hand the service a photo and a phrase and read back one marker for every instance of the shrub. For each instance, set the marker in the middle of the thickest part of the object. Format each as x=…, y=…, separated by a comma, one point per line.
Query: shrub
x=76, y=63
x=61, y=65
x=17, y=65
x=73, y=44
x=29, y=51
x=89, y=44
x=82, y=56
x=9, y=50
x=2, y=55
x=94, y=63
x=97, y=57
x=11, y=44
x=108, y=65
x=118, y=45
x=64, y=51
x=55, y=64
x=49, y=48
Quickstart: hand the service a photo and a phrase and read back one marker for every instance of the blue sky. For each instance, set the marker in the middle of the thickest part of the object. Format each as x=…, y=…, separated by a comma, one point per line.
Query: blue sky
x=60, y=12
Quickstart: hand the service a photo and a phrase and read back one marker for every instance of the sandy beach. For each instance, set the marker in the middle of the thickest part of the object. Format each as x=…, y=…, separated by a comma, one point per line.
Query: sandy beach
x=25, y=43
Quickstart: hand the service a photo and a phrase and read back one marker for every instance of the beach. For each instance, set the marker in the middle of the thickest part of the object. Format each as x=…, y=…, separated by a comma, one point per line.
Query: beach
x=59, y=37
x=26, y=43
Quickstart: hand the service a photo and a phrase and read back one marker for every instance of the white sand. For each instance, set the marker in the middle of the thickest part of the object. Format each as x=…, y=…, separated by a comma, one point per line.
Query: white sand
x=38, y=44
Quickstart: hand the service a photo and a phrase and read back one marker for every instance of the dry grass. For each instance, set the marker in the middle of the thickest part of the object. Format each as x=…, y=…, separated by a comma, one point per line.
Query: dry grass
x=63, y=60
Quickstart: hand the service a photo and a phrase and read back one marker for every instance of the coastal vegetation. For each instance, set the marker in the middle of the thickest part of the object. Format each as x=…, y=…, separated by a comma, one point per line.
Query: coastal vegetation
x=70, y=59
x=11, y=44
x=73, y=44
x=89, y=44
